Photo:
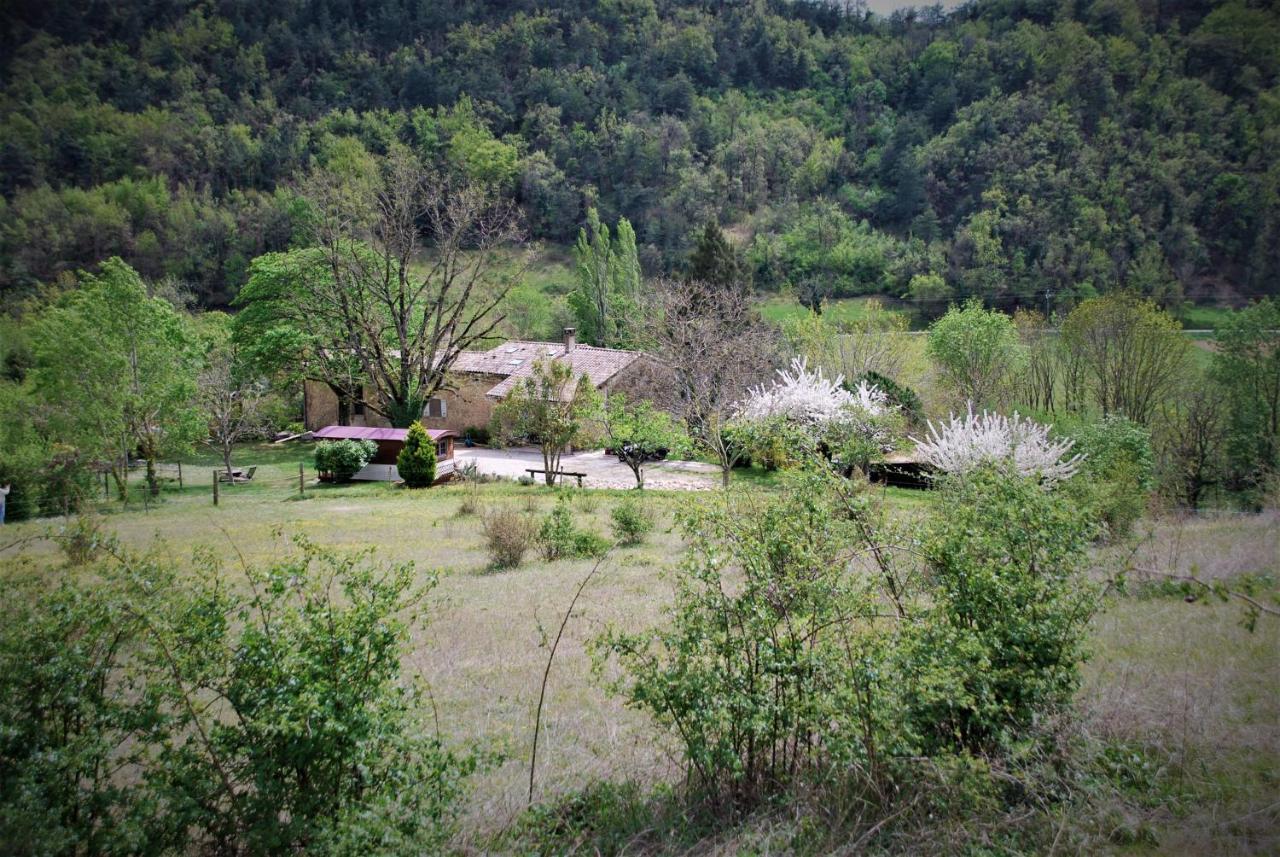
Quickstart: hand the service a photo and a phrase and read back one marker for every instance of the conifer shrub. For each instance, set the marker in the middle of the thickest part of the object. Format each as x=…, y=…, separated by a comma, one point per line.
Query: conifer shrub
x=417, y=460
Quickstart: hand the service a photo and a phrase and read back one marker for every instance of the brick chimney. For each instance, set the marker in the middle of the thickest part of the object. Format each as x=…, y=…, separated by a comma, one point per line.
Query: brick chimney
x=570, y=338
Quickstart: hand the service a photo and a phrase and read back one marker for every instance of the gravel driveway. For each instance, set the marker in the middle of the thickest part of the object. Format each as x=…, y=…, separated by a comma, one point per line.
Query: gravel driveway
x=602, y=471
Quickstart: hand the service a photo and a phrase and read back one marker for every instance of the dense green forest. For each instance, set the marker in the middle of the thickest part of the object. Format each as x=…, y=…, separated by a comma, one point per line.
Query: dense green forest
x=1024, y=151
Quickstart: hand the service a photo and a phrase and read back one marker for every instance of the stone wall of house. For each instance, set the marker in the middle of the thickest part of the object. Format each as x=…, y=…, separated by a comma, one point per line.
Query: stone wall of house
x=466, y=405
x=320, y=407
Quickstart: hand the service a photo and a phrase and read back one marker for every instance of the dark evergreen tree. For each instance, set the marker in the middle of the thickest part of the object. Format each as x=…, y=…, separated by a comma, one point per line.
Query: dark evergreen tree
x=714, y=260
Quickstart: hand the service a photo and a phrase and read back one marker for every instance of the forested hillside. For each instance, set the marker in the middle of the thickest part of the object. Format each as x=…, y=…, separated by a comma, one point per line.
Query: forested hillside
x=1026, y=152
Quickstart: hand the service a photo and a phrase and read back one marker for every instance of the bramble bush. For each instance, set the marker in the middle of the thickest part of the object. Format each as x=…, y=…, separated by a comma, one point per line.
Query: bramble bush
x=144, y=714
x=508, y=535
x=339, y=460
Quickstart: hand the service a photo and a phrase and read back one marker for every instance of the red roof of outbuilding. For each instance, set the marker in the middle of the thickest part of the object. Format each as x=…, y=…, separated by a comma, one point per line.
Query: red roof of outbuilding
x=374, y=433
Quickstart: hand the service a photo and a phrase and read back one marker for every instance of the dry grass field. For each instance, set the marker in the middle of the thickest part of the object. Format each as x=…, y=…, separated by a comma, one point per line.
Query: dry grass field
x=1187, y=687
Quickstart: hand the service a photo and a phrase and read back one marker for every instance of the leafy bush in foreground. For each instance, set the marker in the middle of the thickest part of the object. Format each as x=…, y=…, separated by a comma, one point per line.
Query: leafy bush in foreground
x=808, y=637
x=144, y=715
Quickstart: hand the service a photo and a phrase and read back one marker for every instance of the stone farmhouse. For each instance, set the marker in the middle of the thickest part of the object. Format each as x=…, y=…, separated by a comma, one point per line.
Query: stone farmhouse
x=480, y=379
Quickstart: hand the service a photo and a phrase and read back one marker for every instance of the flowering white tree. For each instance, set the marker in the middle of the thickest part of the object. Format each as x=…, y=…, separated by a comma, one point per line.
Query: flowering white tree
x=965, y=443
x=820, y=407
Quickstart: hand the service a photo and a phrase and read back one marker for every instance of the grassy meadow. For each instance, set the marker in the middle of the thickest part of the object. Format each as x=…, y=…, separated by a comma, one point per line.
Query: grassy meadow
x=1180, y=683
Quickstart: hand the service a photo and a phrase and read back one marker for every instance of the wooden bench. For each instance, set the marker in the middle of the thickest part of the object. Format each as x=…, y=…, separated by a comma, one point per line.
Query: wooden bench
x=578, y=476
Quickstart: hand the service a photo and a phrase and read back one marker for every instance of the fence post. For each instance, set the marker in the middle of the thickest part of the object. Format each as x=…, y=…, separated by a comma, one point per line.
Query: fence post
x=106, y=484
x=302, y=491
x=215, y=487
x=179, y=475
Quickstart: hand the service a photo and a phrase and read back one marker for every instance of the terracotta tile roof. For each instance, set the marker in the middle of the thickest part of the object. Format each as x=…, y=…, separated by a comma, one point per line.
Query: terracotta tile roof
x=598, y=364
x=514, y=360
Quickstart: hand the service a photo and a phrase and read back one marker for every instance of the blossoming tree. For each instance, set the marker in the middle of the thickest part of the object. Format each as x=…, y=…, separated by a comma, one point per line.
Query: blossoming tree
x=964, y=443
x=805, y=406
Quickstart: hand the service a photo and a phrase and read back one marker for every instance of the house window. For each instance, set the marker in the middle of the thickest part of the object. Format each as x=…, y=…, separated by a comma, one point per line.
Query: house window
x=442, y=449
x=436, y=408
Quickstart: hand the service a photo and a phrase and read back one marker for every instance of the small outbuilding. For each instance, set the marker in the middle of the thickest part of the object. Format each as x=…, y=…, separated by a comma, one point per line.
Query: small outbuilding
x=382, y=467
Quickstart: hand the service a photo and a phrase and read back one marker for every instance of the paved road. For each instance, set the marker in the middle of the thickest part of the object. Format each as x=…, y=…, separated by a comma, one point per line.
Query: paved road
x=602, y=471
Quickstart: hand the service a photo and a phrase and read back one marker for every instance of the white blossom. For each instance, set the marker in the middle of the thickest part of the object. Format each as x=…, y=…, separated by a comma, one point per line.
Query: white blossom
x=810, y=398
x=965, y=443
x=821, y=406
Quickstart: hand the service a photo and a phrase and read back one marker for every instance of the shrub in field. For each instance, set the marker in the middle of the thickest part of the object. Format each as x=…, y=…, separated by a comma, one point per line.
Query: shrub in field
x=558, y=538
x=776, y=673
x=508, y=535
x=632, y=521
x=339, y=460
x=315, y=744
x=1008, y=611
x=417, y=460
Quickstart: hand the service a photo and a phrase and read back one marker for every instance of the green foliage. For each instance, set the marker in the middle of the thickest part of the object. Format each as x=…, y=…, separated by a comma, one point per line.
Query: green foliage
x=111, y=746
x=639, y=432
x=1247, y=367
x=548, y=407
x=714, y=260
x=1020, y=145
x=1010, y=611
x=417, y=460
x=780, y=663
x=976, y=351
x=116, y=371
x=632, y=521
x=1117, y=475
x=1133, y=354
x=900, y=396
x=749, y=677
x=339, y=460
x=558, y=538
x=608, y=283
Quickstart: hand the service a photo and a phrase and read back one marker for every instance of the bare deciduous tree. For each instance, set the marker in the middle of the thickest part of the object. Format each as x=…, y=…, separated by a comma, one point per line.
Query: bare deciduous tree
x=712, y=347
x=412, y=275
x=232, y=401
